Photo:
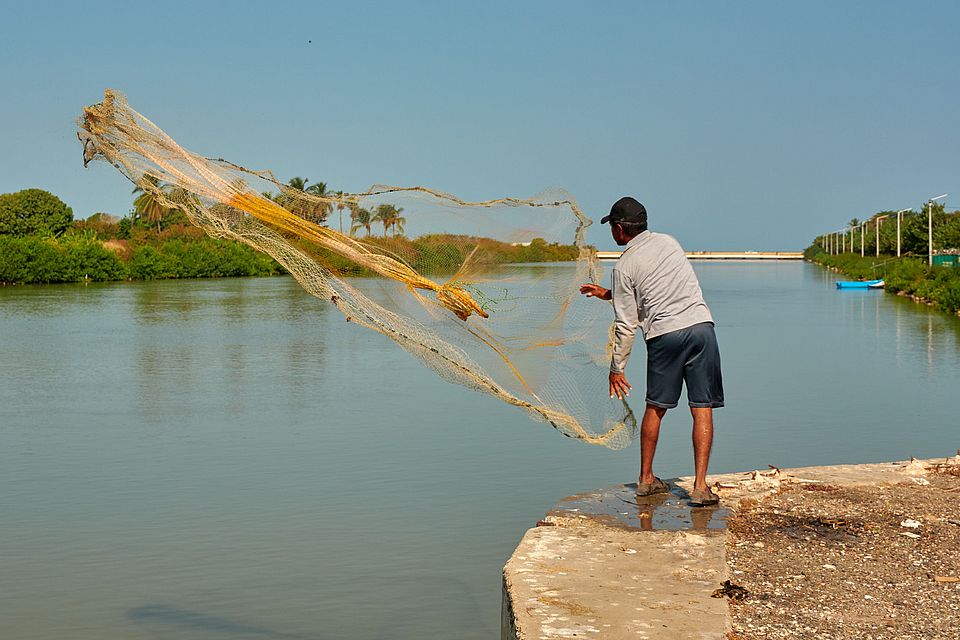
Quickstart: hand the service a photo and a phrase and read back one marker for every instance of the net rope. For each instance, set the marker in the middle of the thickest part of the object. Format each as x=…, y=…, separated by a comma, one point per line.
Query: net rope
x=455, y=297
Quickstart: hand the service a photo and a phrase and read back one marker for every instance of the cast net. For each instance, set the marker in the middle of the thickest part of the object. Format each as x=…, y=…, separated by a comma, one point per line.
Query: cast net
x=484, y=293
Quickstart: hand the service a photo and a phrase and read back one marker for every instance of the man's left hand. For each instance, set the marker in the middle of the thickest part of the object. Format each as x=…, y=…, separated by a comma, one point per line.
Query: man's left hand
x=619, y=386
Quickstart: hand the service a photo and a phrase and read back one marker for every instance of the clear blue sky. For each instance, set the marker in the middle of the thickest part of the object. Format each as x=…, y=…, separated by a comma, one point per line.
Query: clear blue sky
x=741, y=125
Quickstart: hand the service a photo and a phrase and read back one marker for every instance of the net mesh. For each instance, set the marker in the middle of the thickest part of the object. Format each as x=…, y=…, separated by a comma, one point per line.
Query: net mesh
x=475, y=295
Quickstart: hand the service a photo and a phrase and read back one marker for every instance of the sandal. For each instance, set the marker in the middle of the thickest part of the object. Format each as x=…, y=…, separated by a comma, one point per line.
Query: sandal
x=705, y=498
x=652, y=488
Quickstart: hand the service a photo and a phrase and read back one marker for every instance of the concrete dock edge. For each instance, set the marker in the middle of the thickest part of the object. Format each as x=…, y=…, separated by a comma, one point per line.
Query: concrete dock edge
x=598, y=567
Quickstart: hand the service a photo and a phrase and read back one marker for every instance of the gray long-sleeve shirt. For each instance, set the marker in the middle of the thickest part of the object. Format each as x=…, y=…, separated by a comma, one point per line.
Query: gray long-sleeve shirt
x=655, y=290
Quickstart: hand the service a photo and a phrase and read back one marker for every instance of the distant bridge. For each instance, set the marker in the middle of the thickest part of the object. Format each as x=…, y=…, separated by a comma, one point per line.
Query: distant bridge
x=722, y=255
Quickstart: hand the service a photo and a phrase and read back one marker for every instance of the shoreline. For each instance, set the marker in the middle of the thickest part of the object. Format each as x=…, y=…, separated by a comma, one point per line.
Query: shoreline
x=943, y=305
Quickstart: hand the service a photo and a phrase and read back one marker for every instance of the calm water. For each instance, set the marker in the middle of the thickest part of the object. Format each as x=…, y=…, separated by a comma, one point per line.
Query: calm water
x=230, y=459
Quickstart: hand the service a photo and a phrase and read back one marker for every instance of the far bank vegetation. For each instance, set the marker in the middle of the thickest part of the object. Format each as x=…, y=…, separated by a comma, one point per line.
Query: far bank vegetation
x=41, y=242
x=908, y=274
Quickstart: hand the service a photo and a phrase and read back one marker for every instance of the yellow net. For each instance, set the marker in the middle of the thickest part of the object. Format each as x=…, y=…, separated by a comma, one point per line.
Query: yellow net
x=485, y=293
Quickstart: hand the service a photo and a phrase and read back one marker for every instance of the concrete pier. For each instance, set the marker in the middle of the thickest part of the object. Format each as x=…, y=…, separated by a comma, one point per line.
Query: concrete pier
x=722, y=255
x=609, y=565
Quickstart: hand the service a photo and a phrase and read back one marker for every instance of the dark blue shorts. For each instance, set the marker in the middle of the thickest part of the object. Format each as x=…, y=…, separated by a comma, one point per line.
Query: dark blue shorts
x=688, y=355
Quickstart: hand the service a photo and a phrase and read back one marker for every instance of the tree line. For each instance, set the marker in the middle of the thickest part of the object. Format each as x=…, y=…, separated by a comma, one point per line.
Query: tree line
x=148, y=207
x=41, y=242
x=387, y=215
x=914, y=227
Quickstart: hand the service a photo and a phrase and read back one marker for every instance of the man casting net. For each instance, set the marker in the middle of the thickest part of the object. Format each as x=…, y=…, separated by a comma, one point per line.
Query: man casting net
x=471, y=296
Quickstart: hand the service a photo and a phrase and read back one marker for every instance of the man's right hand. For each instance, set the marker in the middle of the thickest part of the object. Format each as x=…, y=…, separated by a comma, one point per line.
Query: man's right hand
x=595, y=291
x=619, y=386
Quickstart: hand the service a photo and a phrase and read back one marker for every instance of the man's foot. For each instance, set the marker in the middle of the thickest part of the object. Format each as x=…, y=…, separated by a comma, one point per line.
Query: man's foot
x=652, y=488
x=703, y=498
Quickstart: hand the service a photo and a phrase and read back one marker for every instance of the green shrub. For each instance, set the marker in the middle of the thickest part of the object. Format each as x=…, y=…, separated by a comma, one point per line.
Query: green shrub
x=950, y=296
x=207, y=258
x=29, y=260
x=38, y=260
x=539, y=250
x=88, y=259
x=123, y=228
x=147, y=263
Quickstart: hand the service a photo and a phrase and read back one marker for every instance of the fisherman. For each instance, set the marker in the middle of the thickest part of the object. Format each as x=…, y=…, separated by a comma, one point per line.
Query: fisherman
x=654, y=289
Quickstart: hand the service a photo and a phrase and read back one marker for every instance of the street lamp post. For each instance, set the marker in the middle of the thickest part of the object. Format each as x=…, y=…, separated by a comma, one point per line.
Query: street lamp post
x=930, y=228
x=899, y=214
x=863, y=228
x=879, y=218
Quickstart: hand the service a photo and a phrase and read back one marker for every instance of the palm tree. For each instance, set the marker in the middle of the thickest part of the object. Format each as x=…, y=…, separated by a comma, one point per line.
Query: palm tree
x=147, y=204
x=384, y=216
x=398, y=222
x=340, y=207
x=314, y=211
x=298, y=183
x=318, y=189
x=284, y=198
x=361, y=220
x=320, y=210
x=389, y=216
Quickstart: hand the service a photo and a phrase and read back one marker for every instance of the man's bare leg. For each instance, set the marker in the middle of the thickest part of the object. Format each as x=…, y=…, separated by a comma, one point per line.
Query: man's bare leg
x=649, y=434
x=702, y=443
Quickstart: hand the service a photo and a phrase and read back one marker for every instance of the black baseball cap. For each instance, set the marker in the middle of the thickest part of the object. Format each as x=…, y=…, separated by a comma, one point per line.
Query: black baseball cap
x=626, y=209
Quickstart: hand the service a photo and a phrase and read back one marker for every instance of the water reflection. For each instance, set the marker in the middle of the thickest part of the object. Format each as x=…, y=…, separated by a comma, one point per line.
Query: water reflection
x=922, y=331
x=423, y=595
x=198, y=345
x=164, y=302
x=620, y=506
x=51, y=300
x=163, y=618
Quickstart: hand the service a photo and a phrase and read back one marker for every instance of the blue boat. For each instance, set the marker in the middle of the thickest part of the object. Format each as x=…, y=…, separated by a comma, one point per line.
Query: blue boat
x=861, y=284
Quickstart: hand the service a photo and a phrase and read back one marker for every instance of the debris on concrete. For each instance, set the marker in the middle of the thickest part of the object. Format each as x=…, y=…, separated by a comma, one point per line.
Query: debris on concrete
x=729, y=590
x=893, y=574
